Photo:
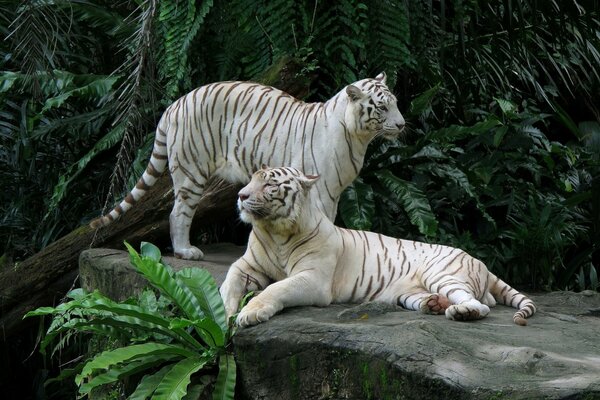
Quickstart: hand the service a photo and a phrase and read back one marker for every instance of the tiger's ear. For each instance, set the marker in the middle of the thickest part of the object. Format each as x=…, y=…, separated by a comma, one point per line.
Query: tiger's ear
x=308, y=181
x=264, y=166
x=381, y=77
x=354, y=93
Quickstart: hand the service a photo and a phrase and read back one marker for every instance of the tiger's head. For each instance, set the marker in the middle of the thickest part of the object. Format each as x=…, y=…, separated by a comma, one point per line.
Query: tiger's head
x=372, y=109
x=275, y=196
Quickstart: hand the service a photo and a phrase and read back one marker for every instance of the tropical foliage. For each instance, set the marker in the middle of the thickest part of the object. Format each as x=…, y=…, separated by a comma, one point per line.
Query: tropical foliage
x=500, y=158
x=166, y=339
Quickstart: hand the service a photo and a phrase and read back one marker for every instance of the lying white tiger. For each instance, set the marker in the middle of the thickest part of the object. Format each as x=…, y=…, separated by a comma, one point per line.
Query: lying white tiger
x=316, y=263
x=229, y=129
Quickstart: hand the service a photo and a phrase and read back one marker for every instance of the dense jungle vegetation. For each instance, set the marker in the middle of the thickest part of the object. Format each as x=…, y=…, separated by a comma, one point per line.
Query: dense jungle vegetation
x=501, y=156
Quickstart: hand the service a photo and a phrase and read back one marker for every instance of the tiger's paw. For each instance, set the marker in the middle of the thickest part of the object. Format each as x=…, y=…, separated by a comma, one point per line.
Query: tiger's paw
x=189, y=253
x=467, y=311
x=255, y=312
x=434, y=304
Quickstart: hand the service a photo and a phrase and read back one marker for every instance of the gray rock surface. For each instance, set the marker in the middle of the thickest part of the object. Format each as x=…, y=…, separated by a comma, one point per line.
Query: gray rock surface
x=111, y=273
x=378, y=351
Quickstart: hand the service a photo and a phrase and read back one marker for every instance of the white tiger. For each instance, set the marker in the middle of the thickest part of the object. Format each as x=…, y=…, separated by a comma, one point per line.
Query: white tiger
x=230, y=129
x=314, y=262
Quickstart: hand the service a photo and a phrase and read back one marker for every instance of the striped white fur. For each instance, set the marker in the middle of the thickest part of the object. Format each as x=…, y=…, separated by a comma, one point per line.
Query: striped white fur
x=314, y=262
x=229, y=129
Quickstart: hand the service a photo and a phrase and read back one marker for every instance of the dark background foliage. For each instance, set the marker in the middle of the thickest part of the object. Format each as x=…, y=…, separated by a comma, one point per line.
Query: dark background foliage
x=501, y=154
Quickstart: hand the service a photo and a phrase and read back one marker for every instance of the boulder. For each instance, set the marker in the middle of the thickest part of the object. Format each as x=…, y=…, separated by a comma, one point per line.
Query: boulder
x=110, y=272
x=380, y=351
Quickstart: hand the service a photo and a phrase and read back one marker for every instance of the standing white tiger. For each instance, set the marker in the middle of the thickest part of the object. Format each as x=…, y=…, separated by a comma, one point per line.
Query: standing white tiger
x=229, y=129
x=314, y=262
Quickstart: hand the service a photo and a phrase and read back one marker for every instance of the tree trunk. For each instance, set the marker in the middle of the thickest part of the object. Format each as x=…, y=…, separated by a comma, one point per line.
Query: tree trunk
x=45, y=277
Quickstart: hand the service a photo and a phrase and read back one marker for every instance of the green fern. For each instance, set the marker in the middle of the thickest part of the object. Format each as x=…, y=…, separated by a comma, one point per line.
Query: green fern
x=339, y=28
x=180, y=22
x=388, y=41
x=177, y=347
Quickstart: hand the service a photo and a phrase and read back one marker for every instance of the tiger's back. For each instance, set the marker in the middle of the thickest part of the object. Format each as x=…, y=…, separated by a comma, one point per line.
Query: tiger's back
x=231, y=128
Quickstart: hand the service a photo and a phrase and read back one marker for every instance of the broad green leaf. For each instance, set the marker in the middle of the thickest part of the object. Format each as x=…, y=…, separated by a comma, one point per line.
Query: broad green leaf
x=430, y=152
x=173, y=385
x=507, y=106
x=499, y=135
x=195, y=390
x=210, y=331
x=225, y=385
x=459, y=177
x=139, y=317
x=160, y=277
x=413, y=201
x=40, y=311
x=422, y=102
x=148, y=384
x=64, y=374
x=118, y=372
x=457, y=132
x=114, y=314
x=204, y=287
x=150, y=250
x=357, y=205
x=109, y=358
x=7, y=80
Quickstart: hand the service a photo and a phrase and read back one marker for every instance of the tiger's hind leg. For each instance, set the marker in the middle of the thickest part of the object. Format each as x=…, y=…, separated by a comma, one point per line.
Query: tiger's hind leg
x=464, y=306
x=187, y=197
x=418, y=299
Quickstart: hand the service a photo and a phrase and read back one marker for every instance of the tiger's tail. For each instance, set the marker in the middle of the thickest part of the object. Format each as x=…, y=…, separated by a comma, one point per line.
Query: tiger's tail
x=156, y=166
x=505, y=294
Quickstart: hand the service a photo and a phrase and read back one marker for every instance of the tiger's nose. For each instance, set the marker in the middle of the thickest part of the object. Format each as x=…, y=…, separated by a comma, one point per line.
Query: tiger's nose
x=243, y=196
x=400, y=127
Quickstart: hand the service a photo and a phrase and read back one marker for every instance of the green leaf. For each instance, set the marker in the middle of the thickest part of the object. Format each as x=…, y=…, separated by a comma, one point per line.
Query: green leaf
x=413, y=200
x=118, y=372
x=430, y=151
x=203, y=286
x=95, y=90
x=109, y=358
x=423, y=101
x=499, y=135
x=173, y=386
x=457, y=132
x=225, y=385
x=7, y=80
x=507, y=106
x=160, y=277
x=357, y=205
x=116, y=315
x=149, y=250
x=148, y=384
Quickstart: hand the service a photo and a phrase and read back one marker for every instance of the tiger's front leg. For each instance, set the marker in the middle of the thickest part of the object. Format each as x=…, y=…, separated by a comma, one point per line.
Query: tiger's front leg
x=241, y=278
x=303, y=289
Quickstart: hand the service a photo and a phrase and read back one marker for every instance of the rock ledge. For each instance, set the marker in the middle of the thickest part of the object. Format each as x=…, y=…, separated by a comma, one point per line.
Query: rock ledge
x=375, y=351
